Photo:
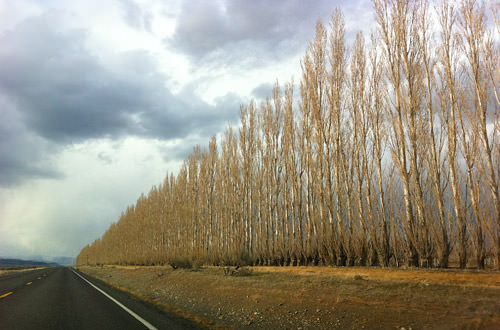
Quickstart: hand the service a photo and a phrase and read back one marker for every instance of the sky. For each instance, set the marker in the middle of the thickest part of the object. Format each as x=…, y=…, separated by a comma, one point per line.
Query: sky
x=100, y=99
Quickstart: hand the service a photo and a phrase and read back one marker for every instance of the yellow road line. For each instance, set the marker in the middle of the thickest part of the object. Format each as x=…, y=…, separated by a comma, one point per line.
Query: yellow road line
x=29, y=283
x=5, y=295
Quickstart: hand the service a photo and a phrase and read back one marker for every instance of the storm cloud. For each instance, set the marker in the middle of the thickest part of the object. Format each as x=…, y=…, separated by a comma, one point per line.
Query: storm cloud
x=24, y=154
x=65, y=93
x=57, y=92
x=246, y=32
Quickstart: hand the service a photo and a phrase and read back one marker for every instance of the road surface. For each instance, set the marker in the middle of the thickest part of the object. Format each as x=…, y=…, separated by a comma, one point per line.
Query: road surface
x=59, y=298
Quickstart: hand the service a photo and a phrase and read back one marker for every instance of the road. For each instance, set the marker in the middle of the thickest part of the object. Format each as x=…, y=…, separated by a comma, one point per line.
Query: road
x=59, y=298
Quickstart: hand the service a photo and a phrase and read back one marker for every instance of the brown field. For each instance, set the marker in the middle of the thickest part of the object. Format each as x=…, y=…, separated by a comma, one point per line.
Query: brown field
x=317, y=297
x=9, y=270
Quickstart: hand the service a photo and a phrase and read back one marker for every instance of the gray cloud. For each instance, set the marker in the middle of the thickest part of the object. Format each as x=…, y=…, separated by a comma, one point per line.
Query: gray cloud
x=67, y=94
x=24, y=155
x=135, y=16
x=61, y=93
x=246, y=32
x=263, y=91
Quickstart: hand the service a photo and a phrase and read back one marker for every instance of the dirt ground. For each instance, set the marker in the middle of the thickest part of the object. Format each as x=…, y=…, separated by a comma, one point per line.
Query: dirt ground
x=317, y=297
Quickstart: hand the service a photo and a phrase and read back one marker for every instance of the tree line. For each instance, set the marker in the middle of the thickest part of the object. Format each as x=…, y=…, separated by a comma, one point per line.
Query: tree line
x=386, y=154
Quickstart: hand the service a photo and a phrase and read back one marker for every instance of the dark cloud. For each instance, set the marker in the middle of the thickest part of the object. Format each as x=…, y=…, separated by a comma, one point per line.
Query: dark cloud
x=60, y=93
x=24, y=155
x=246, y=32
x=226, y=106
x=180, y=152
x=263, y=91
x=65, y=93
x=249, y=33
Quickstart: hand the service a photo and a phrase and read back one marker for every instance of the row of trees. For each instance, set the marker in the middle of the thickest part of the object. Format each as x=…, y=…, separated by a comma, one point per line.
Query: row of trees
x=387, y=156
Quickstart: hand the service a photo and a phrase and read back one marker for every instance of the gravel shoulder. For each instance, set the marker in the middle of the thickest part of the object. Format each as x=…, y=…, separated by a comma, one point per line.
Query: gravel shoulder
x=316, y=297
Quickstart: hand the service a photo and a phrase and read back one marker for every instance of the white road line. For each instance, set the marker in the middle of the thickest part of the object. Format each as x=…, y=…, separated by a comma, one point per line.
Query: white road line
x=140, y=319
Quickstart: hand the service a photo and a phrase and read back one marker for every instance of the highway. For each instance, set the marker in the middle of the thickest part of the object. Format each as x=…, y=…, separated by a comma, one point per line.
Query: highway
x=60, y=298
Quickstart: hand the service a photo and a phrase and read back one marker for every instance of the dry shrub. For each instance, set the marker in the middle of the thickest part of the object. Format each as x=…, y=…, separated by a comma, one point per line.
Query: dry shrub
x=184, y=263
x=237, y=271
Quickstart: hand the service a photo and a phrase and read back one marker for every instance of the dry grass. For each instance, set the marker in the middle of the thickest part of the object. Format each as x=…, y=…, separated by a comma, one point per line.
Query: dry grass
x=9, y=270
x=444, y=277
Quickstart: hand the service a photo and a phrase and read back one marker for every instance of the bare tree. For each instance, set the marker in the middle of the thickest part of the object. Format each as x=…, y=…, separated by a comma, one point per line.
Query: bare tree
x=310, y=181
x=473, y=33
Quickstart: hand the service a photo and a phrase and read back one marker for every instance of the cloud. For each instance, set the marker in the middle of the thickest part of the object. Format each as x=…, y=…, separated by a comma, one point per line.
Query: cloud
x=66, y=94
x=59, y=93
x=263, y=91
x=134, y=15
x=58, y=217
x=61, y=90
x=24, y=155
x=247, y=32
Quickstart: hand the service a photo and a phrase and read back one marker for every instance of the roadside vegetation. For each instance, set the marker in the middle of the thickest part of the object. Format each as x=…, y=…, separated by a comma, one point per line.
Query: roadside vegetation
x=18, y=269
x=386, y=154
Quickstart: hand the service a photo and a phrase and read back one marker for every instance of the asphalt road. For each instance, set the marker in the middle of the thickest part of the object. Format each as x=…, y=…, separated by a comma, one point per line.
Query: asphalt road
x=58, y=298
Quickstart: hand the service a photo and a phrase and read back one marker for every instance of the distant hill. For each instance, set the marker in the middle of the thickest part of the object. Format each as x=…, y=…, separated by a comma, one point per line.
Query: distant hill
x=23, y=263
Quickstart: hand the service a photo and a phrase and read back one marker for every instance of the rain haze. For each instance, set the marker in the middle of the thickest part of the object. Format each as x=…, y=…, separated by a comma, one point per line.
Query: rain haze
x=101, y=99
